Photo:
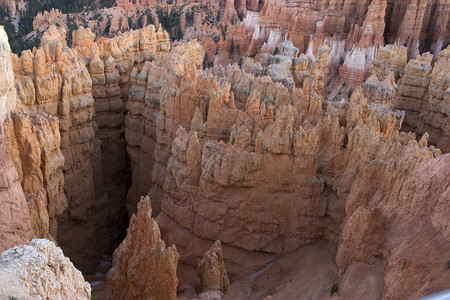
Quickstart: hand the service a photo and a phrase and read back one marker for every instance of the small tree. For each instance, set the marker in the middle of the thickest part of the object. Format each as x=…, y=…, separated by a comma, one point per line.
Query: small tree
x=205, y=61
x=231, y=47
x=334, y=289
x=276, y=51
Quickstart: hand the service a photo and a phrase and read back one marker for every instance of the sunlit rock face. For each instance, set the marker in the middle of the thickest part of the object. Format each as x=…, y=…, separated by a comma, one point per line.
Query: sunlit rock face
x=15, y=225
x=40, y=271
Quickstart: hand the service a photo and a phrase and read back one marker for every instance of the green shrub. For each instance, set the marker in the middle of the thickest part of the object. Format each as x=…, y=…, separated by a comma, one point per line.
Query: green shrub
x=334, y=289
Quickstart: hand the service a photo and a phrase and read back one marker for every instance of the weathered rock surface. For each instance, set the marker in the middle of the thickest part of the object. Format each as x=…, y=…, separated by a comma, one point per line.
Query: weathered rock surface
x=110, y=62
x=54, y=80
x=424, y=95
x=268, y=156
x=435, y=118
x=15, y=225
x=40, y=271
x=143, y=267
x=154, y=113
x=34, y=143
x=308, y=273
x=250, y=145
x=211, y=270
x=66, y=129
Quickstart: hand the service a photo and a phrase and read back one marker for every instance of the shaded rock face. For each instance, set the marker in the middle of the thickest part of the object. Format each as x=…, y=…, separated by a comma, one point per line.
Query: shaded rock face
x=412, y=22
x=110, y=62
x=307, y=273
x=40, y=271
x=154, y=113
x=143, y=267
x=66, y=128
x=424, y=95
x=53, y=80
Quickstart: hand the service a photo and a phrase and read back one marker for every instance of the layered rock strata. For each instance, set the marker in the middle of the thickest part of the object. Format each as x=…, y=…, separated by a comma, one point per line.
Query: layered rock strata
x=152, y=120
x=243, y=149
x=110, y=64
x=34, y=144
x=261, y=155
x=435, y=118
x=67, y=127
x=423, y=94
x=54, y=80
x=15, y=225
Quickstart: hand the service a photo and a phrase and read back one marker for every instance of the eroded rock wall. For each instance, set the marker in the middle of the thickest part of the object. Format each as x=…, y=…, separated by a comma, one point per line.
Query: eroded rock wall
x=154, y=112
x=269, y=173
x=53, y=80
x=66, y=130
x=15, y=225
x=110, y=64
x=423, y=94
x=34, y=143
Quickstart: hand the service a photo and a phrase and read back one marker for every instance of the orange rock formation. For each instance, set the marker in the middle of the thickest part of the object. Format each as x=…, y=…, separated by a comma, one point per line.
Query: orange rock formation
x=296, y=155
x=143, y=267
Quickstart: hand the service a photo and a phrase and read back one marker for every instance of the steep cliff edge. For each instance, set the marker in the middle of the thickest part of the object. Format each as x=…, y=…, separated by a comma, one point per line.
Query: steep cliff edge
x=54, y=80
x=66, y=127
x=424, y=95
x=15, y=225
x=110, y=62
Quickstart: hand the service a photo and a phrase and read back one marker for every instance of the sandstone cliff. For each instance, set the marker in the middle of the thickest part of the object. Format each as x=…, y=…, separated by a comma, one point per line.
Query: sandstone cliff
x=110, y=62
x=423, y=94
x=66, y=130
x=300, y=144
x=34, y=143
x=254, y=141
x=15, y=226
x=54, y=80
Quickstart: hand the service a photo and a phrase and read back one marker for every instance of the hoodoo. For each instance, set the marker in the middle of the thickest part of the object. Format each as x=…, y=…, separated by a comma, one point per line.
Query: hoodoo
x=224, y=149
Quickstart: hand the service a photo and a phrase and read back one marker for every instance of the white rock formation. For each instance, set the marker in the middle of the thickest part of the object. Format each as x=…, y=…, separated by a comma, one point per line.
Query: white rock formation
x=40, y=271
